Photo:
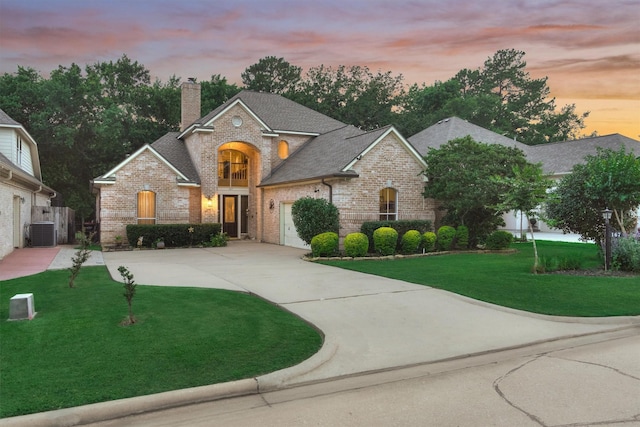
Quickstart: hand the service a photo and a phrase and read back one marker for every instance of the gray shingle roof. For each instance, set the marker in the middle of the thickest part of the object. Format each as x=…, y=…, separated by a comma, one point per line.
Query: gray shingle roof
x=560, y=157
x=175, y=152
x=324, y=156
x=453, y=128
x=6, y=120
x=280, y=113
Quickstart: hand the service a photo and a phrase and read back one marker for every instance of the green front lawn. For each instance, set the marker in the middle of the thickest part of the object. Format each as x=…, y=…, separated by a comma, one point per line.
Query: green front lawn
x=75, y=352
x=506, y=279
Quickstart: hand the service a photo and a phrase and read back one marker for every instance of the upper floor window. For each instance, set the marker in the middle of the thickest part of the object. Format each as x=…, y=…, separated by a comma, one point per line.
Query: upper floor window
x=233, y=168
x=19, y=151
x=146, y=207
x=283, y=149
x=388, y=204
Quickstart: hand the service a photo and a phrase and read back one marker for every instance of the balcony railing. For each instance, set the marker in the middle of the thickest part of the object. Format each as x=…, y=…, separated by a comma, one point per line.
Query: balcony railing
x=232, y=174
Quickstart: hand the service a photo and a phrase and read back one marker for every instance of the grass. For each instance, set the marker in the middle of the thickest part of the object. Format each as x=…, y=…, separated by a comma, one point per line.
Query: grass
x=506, y=280
x=75, y=351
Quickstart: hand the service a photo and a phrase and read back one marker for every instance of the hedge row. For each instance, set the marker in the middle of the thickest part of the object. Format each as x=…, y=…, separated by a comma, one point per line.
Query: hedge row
x=401, y=226
x=173, y=235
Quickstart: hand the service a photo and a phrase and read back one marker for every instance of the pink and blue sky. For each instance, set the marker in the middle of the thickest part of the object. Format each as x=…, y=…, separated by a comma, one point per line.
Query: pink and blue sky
x=589, y=49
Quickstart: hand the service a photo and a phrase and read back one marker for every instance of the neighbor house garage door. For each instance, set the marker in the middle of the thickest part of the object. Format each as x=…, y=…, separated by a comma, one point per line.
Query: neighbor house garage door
x=288, y=234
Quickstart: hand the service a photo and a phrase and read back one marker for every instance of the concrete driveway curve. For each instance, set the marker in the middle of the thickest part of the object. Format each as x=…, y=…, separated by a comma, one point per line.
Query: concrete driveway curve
x=370, y=323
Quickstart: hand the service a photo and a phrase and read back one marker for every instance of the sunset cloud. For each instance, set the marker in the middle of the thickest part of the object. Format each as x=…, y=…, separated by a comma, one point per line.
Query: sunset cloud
x=588, y=49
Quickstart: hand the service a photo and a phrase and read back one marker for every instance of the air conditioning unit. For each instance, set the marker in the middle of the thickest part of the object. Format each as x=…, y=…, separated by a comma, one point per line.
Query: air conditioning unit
x=43, y=234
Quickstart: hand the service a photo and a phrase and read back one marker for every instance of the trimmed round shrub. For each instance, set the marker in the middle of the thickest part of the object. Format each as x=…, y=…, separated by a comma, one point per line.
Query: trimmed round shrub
x=314, y=216
x=499, y=239
x=385, y=240
x=446, y=236
x=325, y=244
x=462, y=237
x=410, y=242
x=429, y=241
x=356, y=245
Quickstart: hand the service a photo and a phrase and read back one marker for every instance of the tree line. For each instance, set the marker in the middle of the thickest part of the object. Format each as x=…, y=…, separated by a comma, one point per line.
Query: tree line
x=86, y=120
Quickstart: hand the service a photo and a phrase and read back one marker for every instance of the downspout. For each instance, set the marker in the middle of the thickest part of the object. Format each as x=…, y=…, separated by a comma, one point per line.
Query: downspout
x=330, y=191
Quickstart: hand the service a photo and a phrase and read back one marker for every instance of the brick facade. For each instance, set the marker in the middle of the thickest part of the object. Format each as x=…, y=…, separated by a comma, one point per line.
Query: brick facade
x=388, y=164
x=118, y=201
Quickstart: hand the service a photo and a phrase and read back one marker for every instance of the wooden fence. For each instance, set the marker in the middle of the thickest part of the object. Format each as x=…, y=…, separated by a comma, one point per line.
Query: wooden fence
x=63, y=219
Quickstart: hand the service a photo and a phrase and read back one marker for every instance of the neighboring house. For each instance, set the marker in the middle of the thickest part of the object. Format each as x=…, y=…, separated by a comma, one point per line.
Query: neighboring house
x=21, y=187
x=246, y=162
x=560, y=157
x=557, y=159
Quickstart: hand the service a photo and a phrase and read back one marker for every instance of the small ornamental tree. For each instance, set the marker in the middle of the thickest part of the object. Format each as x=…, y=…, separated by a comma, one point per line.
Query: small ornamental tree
x=81, y=256
x=460, y=177
x=314, y=216
x=129, y=292
x=525, y=191
x=610, y=179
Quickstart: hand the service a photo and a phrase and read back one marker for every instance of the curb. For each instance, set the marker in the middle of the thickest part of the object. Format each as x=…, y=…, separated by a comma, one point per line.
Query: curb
x=114, y=409
x=610, y=320
x=283, y=378
x=104, y=411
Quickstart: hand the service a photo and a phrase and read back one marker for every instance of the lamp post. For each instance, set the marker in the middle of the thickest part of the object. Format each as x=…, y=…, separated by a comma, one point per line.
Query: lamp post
x=606, y=214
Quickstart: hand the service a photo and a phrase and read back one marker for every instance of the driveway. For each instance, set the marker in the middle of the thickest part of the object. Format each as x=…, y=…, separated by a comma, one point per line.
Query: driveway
x=370, y=323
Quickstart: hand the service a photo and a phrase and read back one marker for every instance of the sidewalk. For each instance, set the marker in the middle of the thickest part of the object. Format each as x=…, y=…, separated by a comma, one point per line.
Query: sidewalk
x=27, y=261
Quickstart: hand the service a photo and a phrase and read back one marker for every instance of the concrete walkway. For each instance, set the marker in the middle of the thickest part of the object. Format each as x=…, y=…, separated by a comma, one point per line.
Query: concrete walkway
x=371, y=324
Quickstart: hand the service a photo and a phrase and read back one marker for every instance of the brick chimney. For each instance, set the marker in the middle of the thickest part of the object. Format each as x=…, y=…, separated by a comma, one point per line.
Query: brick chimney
x=190, y=104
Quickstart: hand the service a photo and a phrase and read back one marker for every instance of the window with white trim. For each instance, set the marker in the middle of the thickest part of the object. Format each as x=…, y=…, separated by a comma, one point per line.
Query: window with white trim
x=19, y=151
x=388, y=204
x=146, y=207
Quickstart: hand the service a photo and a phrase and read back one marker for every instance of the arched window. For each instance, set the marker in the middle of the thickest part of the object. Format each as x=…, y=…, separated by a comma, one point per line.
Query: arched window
x=388, y=204
x=233, y=168
x=283, y=149
x=146, y=207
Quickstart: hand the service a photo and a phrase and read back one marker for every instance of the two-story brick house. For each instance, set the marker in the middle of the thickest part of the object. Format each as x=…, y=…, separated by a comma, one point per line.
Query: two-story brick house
x=247, y=161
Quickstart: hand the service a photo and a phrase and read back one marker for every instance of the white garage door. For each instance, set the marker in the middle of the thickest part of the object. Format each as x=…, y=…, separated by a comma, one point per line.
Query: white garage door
x=288, y=234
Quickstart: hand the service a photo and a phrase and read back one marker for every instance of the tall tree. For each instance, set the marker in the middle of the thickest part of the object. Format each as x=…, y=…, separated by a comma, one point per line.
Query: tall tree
x=609, y=179
x=87, y=121
x=216, y=92
x=500, y=96
x=354, y=95
x=460, y=175
x=271, y=74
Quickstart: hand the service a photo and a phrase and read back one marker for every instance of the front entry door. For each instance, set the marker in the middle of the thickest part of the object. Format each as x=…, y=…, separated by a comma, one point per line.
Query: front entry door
x=230, y=215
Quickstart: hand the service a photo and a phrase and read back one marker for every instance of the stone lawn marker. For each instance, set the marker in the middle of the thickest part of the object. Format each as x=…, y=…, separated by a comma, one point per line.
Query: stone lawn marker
x=21, y=307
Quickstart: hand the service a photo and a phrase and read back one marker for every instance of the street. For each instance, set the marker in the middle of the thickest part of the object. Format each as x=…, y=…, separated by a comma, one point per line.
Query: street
x=580, y=381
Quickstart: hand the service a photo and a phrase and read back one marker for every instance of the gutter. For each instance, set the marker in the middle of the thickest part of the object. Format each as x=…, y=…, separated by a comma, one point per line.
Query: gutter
x=330, y=190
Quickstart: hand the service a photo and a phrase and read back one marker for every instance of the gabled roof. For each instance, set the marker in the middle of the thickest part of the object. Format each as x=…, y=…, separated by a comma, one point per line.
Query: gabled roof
x=6, y=120
x=276, y=112
x=560, y=157
x=175, y=152
x=331, y=155
x=170, y=151
x=454, y=128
